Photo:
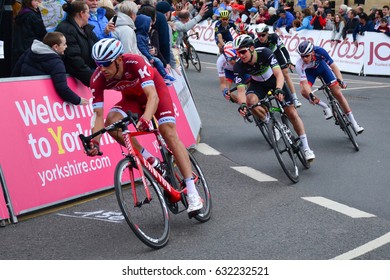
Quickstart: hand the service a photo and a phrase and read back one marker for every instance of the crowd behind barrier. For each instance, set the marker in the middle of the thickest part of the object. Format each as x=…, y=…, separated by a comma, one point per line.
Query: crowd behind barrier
x=42, y=157
x=371, y=57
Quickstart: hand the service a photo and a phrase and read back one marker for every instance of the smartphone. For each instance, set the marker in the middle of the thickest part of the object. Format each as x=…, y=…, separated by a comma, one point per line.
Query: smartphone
x=113, y=20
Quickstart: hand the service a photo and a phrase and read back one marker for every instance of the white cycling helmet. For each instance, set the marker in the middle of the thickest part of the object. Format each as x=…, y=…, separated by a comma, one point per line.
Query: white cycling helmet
x=261, y=28
x=107, y=50
x=242, y=41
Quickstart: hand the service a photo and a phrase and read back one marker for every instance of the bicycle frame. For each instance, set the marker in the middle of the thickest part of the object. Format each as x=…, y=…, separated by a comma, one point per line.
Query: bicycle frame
x=138, y=159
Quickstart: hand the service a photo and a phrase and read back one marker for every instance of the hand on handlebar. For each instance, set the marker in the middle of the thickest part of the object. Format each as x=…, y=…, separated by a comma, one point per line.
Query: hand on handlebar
x=313, y=99
x=93, y=148
x=144, y=125
x=279, y=94
x=243, y=109
x=342, y=84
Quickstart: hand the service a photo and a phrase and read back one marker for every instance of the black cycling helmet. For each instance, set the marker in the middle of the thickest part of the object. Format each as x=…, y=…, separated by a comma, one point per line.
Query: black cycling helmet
x=243, y=41
x=305, y=48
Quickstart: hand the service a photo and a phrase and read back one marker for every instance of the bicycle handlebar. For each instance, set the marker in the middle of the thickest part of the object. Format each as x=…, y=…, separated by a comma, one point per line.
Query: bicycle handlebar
x=85, y=140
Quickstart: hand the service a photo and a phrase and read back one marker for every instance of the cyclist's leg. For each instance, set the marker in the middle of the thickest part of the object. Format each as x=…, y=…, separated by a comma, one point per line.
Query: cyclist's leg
x=167, y=125
x=221, y=62
x=254, y=93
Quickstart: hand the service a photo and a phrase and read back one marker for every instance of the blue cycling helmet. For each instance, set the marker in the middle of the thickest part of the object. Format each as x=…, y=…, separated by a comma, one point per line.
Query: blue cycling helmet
x=305, y=48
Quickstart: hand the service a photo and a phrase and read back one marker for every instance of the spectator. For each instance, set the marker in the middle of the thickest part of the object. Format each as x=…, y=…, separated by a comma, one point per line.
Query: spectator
x=327, y=8
x=343, y=9
x=351, y=24
x=80, y=38
x=162, y=27
x=299, y=15
x=97, y=18
x=371, y=15
x=28, y=26
x=338, y=28
x=365, y=24
x=307, y=17
x=253, y=15
x=318, y=21
x=184, y=22
x=153, y=34
x=143, y=25
x=329, y=21
x=44, y=58
x=285, y=20
x=384, y=27
x=386, y=12
x=377, y=19
x=125, y=28
x=273, y=16
x=264, y=15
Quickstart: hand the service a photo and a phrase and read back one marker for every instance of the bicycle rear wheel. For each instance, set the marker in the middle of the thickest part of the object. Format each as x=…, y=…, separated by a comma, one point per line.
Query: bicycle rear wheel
x=344, y=123
x=263, y=129
x=200, y=182
x=149, y=220
x=283, y=150
x=193, y=56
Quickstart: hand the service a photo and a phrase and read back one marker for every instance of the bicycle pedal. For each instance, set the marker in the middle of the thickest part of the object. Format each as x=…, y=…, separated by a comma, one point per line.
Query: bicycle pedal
x=193, y=214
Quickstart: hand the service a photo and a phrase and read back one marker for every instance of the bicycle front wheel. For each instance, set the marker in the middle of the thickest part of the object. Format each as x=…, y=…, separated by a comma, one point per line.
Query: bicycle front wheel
x=297, y=144
x=193, y=55
x=149, y=220
x=263, y=129
x=283, y=150
x=344, y=123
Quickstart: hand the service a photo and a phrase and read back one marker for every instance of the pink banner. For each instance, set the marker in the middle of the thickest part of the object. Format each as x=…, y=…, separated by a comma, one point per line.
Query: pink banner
x=41, y=154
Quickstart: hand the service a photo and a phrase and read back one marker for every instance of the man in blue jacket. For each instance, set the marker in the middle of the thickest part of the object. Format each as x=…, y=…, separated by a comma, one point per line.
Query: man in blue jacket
x=97, y=18
x=364, y=25
x=285, y=20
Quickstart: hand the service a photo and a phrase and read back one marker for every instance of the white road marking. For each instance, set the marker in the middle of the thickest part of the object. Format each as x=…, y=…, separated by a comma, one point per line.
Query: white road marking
x=207, y=150
x=89, y=218
x=341, y=208
x=369, y=246
x=254, y=174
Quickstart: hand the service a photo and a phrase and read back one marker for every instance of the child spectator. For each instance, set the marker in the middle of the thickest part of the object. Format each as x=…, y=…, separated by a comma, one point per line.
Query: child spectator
x=307, y=17
x=143, y=25
x=44, y=58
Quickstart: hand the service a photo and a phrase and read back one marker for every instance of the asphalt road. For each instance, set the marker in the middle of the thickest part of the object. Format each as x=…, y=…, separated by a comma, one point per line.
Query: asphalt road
x=336, y=210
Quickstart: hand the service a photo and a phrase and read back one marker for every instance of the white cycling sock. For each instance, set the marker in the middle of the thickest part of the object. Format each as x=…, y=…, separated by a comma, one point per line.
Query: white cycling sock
x=351, y=118
x=323, y=105
x=191, y=189
x=305, y=144
x=294, y=96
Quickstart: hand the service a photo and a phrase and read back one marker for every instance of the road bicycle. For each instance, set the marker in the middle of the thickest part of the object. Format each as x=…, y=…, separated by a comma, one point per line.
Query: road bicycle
x=144, y=203
x=188, y=53
x=284, y=141
x=339, y=115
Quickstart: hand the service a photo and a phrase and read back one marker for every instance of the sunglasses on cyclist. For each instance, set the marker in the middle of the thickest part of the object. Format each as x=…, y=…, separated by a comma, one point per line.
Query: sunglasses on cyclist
x=306, y=55
x=243, y=51
x=104, y=63
x=262, y=34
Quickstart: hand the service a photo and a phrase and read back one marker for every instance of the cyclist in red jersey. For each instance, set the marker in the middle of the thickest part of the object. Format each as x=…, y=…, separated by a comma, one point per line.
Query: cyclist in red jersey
x=144, y=92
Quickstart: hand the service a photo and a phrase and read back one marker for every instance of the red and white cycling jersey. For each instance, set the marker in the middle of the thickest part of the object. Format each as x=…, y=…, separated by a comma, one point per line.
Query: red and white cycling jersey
x=137, y=74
